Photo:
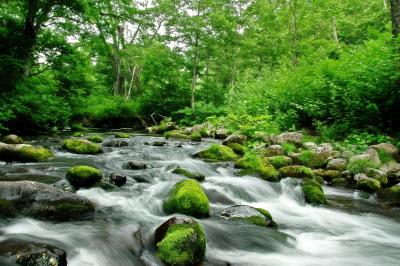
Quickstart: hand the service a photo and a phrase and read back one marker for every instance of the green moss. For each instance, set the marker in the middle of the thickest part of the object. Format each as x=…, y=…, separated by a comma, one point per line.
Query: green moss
x=265, y=213
x=96, y=139
x=83, y=176
x=289, y=147
x=71, y=210
x=339, y=182
x=218, y=153
x=254, y=164
x=176, y=134
x=296, y=171
x=189, y=174
x=34, y=154
x=183, y=244
x=77, y=134
x=237, y=148
x=187, y=197
x=280, y=161
x=313, y=193
x=312, y=159
x=6, y=208
x=359, y=166
x=368, y=185
x=196, y=136
x=81, y=146
x=121, y=135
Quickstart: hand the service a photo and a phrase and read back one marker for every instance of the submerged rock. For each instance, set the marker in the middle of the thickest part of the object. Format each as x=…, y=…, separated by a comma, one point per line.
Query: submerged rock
x=116, y=143
x=83, y=176
x=180, y=241
x=313, y=192
x=217, y=153
x=248, y=214
x=24, y=153
x=187, y=197
x=25, y=250
x=81, y=146
x=136, y=166
x=118, y=180
x=254, y=164
x=38, y=200
x=12, y=139
x=189, y=174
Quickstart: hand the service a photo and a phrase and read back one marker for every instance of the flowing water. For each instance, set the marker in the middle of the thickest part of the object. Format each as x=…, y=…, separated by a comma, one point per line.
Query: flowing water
x=353, y=230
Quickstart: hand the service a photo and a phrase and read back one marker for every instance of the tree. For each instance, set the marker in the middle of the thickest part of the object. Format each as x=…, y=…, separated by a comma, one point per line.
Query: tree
x=395, y=15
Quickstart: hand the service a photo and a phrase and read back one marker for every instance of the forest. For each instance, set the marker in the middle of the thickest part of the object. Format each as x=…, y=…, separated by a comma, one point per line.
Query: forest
x=199, y=132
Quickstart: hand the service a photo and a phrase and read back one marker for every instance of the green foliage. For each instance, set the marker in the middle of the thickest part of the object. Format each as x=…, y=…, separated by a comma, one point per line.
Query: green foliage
x=359, y=165
x=280, y=161
x=289, y=147
x=384, y=157
x=202, y=111
x=359, y=142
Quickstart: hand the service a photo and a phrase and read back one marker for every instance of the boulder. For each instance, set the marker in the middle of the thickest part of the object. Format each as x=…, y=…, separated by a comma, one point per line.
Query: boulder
x=390, y=195
x=81, y=146
x=221, y=133
x=273, y=150
x=248, y=214
x=137, y=166
x=165, y=125
x=24, y=153
x=340, y=182
x=187, y=197
x=235, y=138
x=369, y=185
x=313, y=192
x=254, y=164
x=279, y=161
x=26, y=250
x=96, y=139
x=337, y=164
x=217, y=153
x=121, y=135
x=291, y=137
x=237, y=148
x=12, y=139
x=176, y=134
x=38, y=200
x=296, y=171
x=180, y=241
x=388, y=148
x=359, y=163
x=378, y=175
x=118, y=180
x=195, y=136
x=312, y=159
x=310, y=146
x=116, y=143
x=158, y=143
x=83, y=176
x=329, y=175
x=189, y=174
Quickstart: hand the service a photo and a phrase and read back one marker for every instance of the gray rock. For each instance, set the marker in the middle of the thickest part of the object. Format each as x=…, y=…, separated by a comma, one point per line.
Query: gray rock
x=116, y=143
x=248, y=214
x=390, y=149
x=274, y=150
x=310, y=145
x=38, y=200
x=221, y=133
x=292, y=137
x=235, y=138
x=337, y=164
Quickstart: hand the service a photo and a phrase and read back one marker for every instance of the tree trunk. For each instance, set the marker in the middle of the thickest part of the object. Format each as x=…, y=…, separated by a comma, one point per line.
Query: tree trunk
x=294, y=30
x=194, y=74
x=395, y=14
x=335, y=35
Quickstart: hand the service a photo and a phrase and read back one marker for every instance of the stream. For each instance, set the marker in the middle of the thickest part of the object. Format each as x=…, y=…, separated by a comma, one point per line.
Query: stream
x=353, y=230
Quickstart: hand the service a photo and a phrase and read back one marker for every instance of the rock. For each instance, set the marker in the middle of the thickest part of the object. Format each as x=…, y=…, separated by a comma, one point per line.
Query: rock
x=13, y=139
x=158, y=143
x=390, y=195
x=83, y=176
x=137, y=166
x=359, y=163
x=81, y=146
x=116, y=143
x=392, y=170
x=237, y=148
x=248, y=214
x=214, y=196
x=118, y=180
x=390, y=149
x=369, y=185
x=96, y=139
x=378, y=175
x=296, y=171
x=235, y=138
x=340, y=182
x=273, y=150
x=329, y=175
x=180, y=241
x=313, y=192
x=176, y=134
x=165, y=125
x=310, y=146
x=217, y=153
x=221, y=133
x=187, y=197
x=25, y=250
x=359, y=177
x=189, y=174
x=291, y=137
x=325, y=148
x=279, y=161
x=196, y=136
x=24, y=153
x=312, y=159
x=122, y=135
x=38, y=200
x=254, y=164
x=337, y=164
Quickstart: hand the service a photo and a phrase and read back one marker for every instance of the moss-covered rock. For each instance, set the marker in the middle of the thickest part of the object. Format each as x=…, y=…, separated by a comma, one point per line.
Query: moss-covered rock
x=83, y=176
x=235, y=138
x=329, y=175
x=180, y=241
x=390, y=195
x=296, y=171
x=176, y=134
x=312, y=159
x=81, y=146
x=280, y=161
x=237, y=148
x=24, y=153
x=248, y=214
x=254, y=164
x=217, y=153
x=338, y=164
x=187, y=197
x=289, y=147
x=313, y=192
x=12, y=139
x=165, y=125
x=195, y=136
x=273, y=150
x=369, y=185
x=121, y=135
x=77, y=134
x=340, y=182
x=96, y=139
x=189, y=174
